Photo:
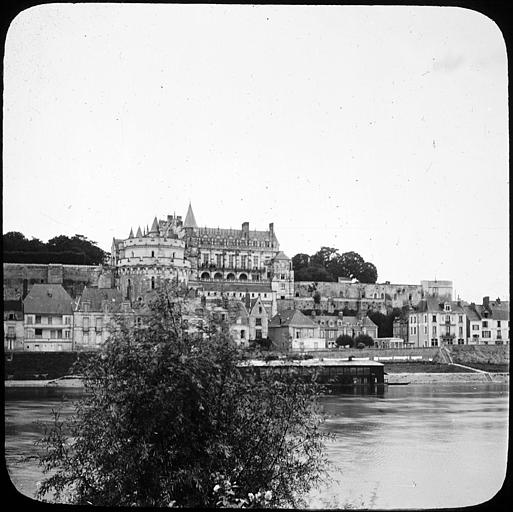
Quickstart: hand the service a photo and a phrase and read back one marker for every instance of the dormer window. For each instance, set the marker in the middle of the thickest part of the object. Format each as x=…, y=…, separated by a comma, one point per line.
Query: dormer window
x=447, y=307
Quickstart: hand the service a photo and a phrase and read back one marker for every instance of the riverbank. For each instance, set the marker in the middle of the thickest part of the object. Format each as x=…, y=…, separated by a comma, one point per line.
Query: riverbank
x=447, y=378
x=392, y=378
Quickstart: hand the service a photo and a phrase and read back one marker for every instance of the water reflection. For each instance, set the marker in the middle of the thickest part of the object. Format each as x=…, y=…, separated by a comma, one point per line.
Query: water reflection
x=417, y=446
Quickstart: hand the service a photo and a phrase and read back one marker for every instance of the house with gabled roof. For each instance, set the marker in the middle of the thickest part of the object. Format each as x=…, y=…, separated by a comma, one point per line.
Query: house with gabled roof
x=434, y=322
x=488, y=323
x=258, y=318
x=48, y=318
x=291, y=330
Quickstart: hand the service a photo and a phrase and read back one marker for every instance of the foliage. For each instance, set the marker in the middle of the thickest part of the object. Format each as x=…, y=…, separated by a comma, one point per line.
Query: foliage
x=364, y=339
x=60, y=249
x=170, y=419
x=385, y=323
x=328, y=265
x=343, y=340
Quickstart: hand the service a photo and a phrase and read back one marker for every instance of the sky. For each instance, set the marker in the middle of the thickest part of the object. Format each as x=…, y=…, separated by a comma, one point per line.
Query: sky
x=376, y=129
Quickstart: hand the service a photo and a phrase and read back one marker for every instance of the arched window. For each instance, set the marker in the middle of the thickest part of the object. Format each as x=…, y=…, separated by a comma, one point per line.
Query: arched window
x=243, y=277
x=153, y=254
x=153, y=283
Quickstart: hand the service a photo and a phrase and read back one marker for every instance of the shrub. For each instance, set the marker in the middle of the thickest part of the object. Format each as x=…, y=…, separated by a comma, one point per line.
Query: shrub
x=168, y=420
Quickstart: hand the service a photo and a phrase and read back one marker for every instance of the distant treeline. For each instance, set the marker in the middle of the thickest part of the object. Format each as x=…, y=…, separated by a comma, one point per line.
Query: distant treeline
x=76, y=250
x=328, y=265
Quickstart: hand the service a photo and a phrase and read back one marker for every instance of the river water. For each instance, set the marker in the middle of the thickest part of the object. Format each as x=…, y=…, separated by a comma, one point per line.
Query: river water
x=416, y=446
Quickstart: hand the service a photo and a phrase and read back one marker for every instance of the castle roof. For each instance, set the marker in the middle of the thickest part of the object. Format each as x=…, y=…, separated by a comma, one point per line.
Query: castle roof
x=154, y=226
x=190, y=221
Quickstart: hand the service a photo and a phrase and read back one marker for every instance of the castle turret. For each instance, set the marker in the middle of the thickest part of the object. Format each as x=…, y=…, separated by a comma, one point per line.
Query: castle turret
x=131, y=235
x=139, y=232
x=154, y=227
x=190, y=221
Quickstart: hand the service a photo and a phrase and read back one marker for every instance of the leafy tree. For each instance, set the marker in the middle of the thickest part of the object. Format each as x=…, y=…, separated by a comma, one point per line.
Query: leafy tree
x=300, y=260
x=368, y=273
x=328, y=265
x=364, y=339
x=60, y=249
x=343, y=340
x=171, y=418
x=323, y=257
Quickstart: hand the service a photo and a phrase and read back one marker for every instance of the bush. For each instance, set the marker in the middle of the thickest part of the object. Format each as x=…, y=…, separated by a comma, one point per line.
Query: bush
x=364, y=339
x=172, y=421
x=343, y=340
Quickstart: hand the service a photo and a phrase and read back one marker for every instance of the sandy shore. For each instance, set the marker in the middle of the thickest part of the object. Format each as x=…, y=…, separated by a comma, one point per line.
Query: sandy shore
x=449, y=378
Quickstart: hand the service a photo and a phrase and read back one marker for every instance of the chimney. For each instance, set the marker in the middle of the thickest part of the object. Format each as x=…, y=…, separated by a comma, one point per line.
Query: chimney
x=271, y=231
x=486, y=302
x=245, y=229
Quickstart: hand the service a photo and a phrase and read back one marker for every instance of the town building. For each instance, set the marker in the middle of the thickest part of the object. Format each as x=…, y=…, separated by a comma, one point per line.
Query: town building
x=488, y=323
x=332, y=326
x=96, y=313
x=48, y=318
x=292, y=330
x=435, y=323
x=13, y=325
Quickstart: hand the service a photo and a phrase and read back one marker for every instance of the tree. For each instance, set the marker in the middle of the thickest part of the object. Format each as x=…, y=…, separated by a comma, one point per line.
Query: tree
x=364, y=339
x=170, y=417
x=322, y=257
x=60, y=249
x=299, y=261
x=344, y=340
x=368, y=273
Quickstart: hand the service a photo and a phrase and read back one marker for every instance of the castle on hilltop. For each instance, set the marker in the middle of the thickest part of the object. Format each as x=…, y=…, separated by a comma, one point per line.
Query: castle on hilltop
x=227, y=261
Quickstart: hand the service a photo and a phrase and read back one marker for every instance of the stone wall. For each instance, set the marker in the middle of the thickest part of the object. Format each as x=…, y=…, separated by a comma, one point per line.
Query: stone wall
x=19, y=277
x=389, y=294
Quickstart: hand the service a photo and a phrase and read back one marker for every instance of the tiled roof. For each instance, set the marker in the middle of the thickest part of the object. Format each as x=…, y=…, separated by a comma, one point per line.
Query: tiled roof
x=281, y=256
x=97, y=296
x=495, y=313
x=472, y=315
x=291, y=317
x=48, y=299
x=436, y=305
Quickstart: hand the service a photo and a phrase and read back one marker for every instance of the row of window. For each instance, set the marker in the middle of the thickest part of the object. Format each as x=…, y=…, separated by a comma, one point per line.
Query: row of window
x=48, y=319
x=443, y=318
x=484, y=323
x=413, y=330
x=233, y=241
x=53, y=334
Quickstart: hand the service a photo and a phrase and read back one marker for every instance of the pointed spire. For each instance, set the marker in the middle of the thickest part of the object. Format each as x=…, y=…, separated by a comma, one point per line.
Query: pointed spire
x=190, y=221
x=147, y=229
x=131, y=235
x=139, y=233
x=155, y=226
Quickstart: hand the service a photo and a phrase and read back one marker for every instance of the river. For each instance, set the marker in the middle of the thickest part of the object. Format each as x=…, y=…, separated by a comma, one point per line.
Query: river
x=416, y=446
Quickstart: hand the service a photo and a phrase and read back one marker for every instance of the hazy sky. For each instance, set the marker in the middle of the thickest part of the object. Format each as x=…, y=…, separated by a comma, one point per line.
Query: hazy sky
x=380, y=130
